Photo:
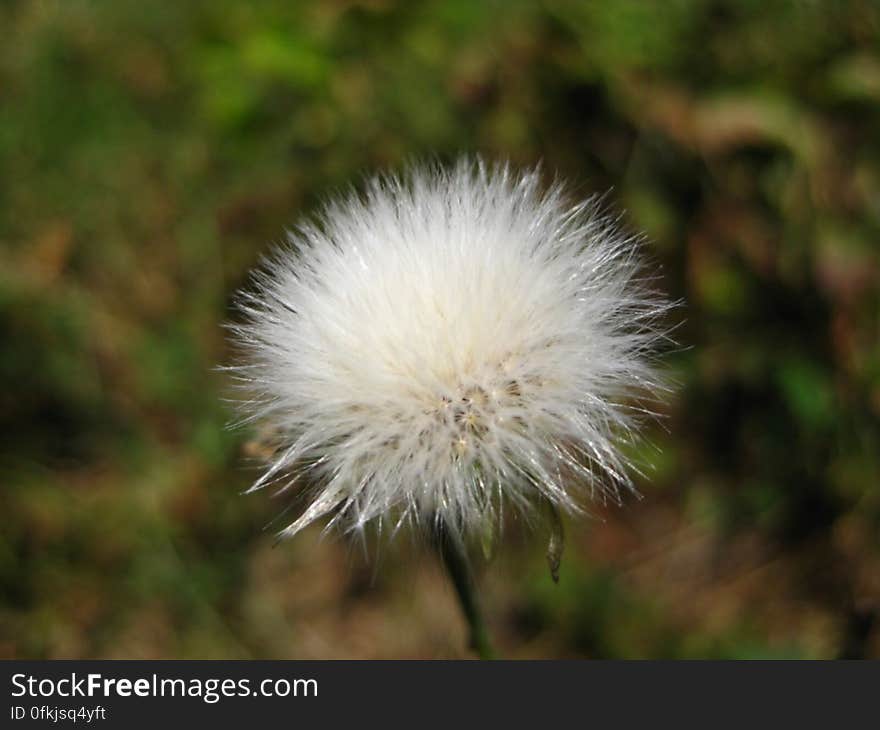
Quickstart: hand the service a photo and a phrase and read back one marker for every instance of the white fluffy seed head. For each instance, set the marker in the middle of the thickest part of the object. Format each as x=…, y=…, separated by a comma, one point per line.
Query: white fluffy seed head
x=446, y=344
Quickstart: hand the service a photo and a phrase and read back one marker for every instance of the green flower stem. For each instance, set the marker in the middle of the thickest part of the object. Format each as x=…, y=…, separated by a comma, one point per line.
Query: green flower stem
x=452, y=552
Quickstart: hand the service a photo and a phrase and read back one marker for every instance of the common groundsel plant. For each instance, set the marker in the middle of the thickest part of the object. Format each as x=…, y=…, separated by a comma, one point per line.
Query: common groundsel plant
x=448, y=346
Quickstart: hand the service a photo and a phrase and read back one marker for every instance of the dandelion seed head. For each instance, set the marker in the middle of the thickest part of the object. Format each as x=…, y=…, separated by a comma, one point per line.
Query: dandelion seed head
x=447, y=344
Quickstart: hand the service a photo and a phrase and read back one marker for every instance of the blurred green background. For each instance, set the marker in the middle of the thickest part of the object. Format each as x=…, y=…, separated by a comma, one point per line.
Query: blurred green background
x=150, y=151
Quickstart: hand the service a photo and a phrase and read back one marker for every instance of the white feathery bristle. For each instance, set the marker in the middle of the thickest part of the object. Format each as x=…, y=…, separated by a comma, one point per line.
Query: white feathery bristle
x=448, y=343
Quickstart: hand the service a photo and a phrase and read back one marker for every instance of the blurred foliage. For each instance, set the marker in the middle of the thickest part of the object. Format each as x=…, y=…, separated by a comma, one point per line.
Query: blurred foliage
x=150, y=151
